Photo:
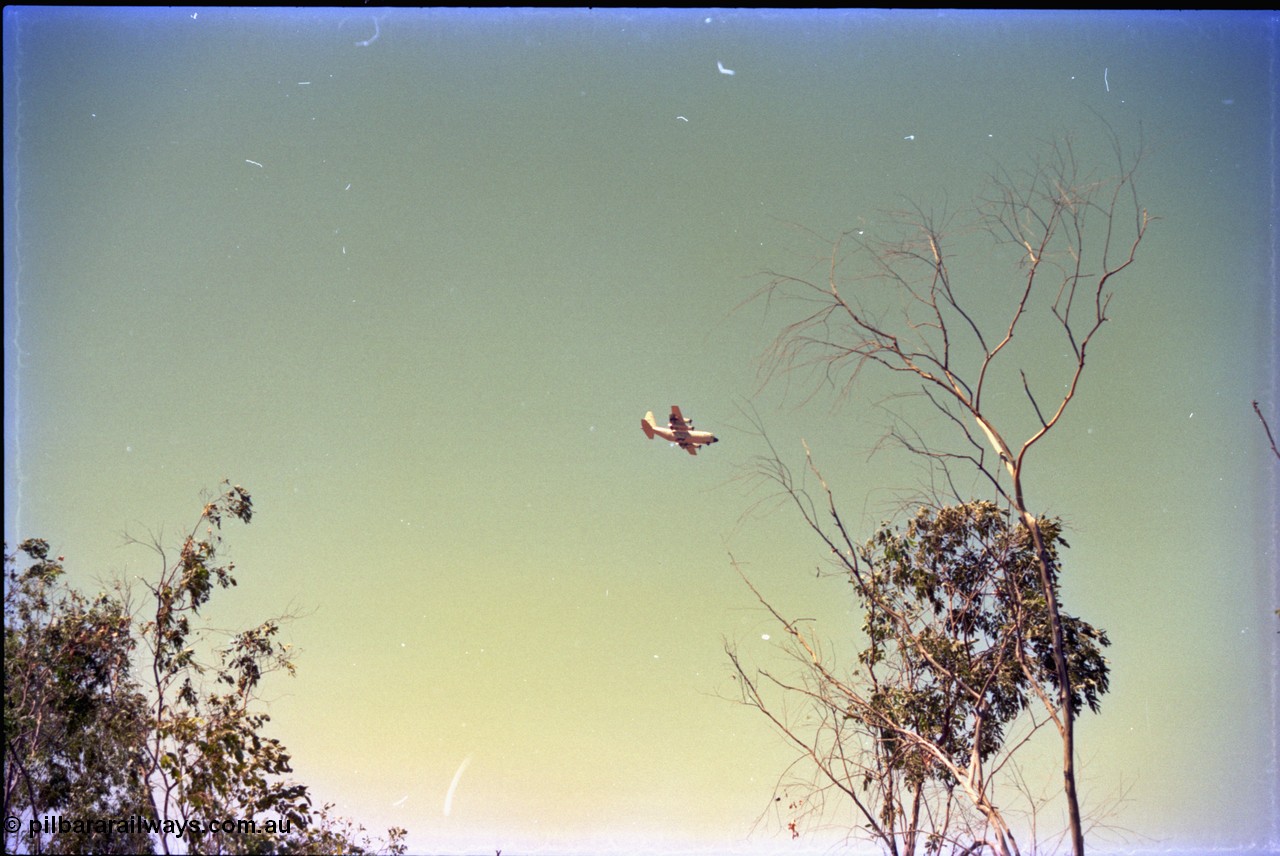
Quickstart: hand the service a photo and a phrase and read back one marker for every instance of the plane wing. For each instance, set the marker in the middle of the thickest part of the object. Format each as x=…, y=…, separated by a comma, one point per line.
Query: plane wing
x=680, y=428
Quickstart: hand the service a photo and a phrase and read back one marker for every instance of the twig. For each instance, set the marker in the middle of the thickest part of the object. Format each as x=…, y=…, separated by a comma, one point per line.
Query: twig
x=1267, y=428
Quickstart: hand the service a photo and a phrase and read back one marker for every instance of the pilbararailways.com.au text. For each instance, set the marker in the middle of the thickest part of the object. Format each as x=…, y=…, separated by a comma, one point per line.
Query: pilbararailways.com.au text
x=134, y=824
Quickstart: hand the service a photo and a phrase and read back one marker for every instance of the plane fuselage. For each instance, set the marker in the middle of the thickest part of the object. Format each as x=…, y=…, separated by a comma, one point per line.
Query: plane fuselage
x=697, y=438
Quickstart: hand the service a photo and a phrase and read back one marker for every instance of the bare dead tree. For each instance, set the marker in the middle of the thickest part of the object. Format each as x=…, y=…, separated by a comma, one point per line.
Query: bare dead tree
x=1071, y=235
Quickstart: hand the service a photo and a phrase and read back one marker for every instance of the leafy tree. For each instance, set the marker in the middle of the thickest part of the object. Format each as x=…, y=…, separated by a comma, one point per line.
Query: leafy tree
x=74, y=717
x=905, y=308
x=111, y=714
x=204, y=756
x=959, y=651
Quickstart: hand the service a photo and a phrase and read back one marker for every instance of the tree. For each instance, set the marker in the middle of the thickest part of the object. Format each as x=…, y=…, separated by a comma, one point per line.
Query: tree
x=1068, y=236
x=958, y=651
x=74, y=718
x=204, y=757
x=98, y=726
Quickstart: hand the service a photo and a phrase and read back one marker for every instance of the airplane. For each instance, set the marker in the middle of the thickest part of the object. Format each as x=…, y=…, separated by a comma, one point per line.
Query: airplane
x=679, y=431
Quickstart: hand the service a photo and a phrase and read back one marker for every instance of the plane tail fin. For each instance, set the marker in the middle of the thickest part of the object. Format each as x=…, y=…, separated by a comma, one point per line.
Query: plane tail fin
x=648, y=424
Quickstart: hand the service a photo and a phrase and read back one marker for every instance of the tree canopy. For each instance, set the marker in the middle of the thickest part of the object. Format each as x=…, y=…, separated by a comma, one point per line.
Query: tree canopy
x=132, y=729
x=958, y=651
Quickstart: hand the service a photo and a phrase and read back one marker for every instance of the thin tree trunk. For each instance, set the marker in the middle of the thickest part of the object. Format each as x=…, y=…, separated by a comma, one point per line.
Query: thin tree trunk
x=1067, y=723
x=1064, y=678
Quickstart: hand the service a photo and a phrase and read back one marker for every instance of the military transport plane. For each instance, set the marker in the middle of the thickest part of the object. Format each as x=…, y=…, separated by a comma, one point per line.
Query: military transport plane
x=679, y=431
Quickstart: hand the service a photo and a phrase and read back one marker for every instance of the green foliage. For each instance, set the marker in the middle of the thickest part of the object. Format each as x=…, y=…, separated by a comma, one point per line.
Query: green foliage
x=960, y=642
x=329, y=835
x=99, y=726
x=74, y=718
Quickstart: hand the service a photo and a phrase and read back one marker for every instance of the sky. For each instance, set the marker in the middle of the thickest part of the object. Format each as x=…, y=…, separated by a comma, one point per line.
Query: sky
x=412, y=277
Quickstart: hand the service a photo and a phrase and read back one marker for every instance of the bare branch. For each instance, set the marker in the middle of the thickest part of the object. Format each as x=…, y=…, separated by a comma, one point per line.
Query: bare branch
x=1267, y=428
x=1030, y=397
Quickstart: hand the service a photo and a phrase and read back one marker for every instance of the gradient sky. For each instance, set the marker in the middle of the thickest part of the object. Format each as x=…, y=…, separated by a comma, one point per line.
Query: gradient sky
x=412, y=278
